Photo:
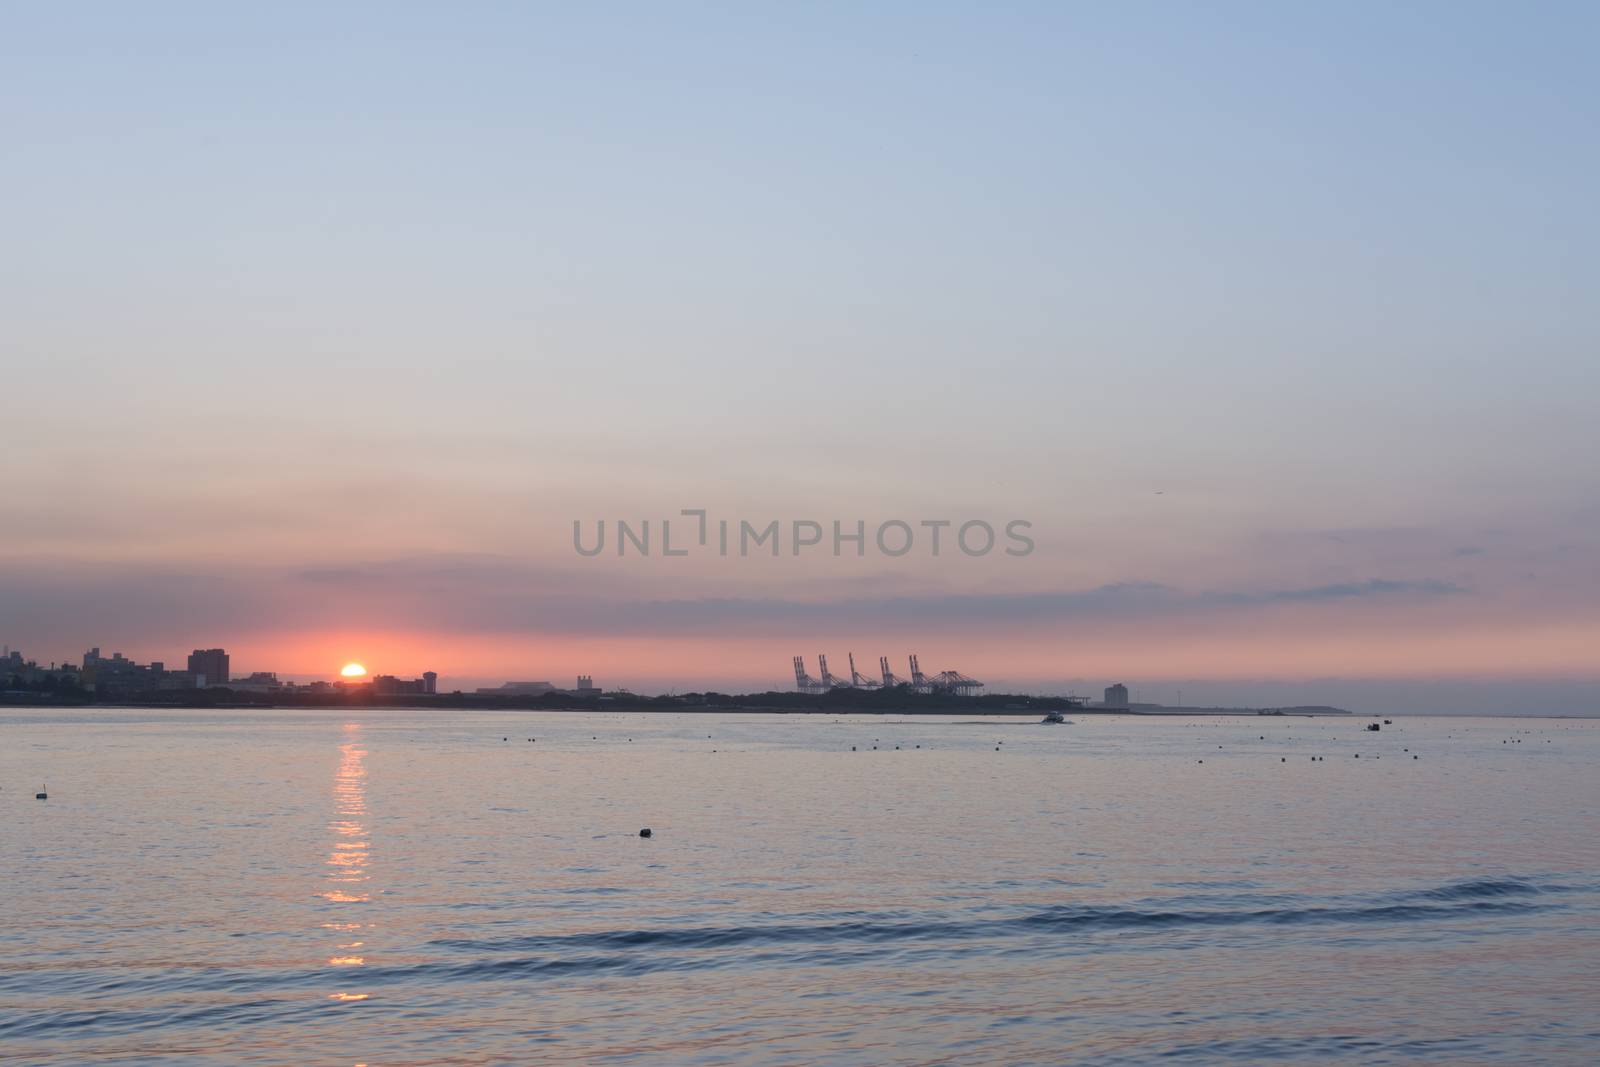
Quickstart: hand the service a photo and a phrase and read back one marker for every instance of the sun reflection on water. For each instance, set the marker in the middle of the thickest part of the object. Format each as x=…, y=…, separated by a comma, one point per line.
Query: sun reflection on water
x=347, y=859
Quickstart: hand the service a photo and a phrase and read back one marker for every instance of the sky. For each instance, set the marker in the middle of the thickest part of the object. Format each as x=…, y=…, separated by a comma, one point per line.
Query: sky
x=321, y=326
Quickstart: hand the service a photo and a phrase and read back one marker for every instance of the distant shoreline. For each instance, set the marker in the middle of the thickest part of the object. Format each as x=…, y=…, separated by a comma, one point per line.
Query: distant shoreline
x=838, y=702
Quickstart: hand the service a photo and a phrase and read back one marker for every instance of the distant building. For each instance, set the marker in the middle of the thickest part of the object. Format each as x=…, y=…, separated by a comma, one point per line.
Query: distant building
x=1116, y=696
x=520, y=689
x=167, y=680
x=210, y=665
x=259, y=682
x=389, y=685
x=120, y=675
x=20, y=674
x=586, y=686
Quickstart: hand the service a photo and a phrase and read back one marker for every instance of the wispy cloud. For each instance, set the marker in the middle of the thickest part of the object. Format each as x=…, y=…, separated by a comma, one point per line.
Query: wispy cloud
x=491, y=594
x=1385, y=587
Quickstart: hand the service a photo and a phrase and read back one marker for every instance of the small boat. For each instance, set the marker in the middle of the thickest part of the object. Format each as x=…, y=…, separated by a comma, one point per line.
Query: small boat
x=1055, y=717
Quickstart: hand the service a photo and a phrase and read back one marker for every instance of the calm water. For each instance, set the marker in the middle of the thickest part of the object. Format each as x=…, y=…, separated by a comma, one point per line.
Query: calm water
x=398, y=887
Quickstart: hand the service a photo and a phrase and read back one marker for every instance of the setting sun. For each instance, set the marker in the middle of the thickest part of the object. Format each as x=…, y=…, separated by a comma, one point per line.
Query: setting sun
x=353, y=670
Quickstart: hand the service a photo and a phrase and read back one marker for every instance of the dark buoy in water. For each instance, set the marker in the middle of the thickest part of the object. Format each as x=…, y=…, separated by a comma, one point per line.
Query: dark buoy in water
x=646, y=832
x=42, y=794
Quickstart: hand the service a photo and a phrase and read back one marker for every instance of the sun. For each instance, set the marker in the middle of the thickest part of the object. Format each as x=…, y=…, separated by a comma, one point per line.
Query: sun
x=353, y=670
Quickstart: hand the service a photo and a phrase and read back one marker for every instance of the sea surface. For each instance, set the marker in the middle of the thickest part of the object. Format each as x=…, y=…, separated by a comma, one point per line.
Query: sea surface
x=442, y=887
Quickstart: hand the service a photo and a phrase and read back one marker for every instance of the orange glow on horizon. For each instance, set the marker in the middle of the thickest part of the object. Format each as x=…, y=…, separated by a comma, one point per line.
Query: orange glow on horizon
x=1282, y=643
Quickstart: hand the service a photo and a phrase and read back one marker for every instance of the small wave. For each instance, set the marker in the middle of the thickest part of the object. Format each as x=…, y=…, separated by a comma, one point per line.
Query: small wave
x=1485, y=889
x=1435, y=904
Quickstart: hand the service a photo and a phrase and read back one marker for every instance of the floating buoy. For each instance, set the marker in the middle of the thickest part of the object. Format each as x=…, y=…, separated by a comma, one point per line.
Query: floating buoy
x=41, y=794
x=646, y=832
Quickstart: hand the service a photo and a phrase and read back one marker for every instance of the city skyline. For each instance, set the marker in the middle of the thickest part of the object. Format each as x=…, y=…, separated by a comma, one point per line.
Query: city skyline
x=1533, y=696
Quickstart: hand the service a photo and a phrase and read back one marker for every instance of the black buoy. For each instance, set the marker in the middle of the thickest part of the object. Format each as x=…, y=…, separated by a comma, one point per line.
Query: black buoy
x=646, y=832
x=42, y=794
